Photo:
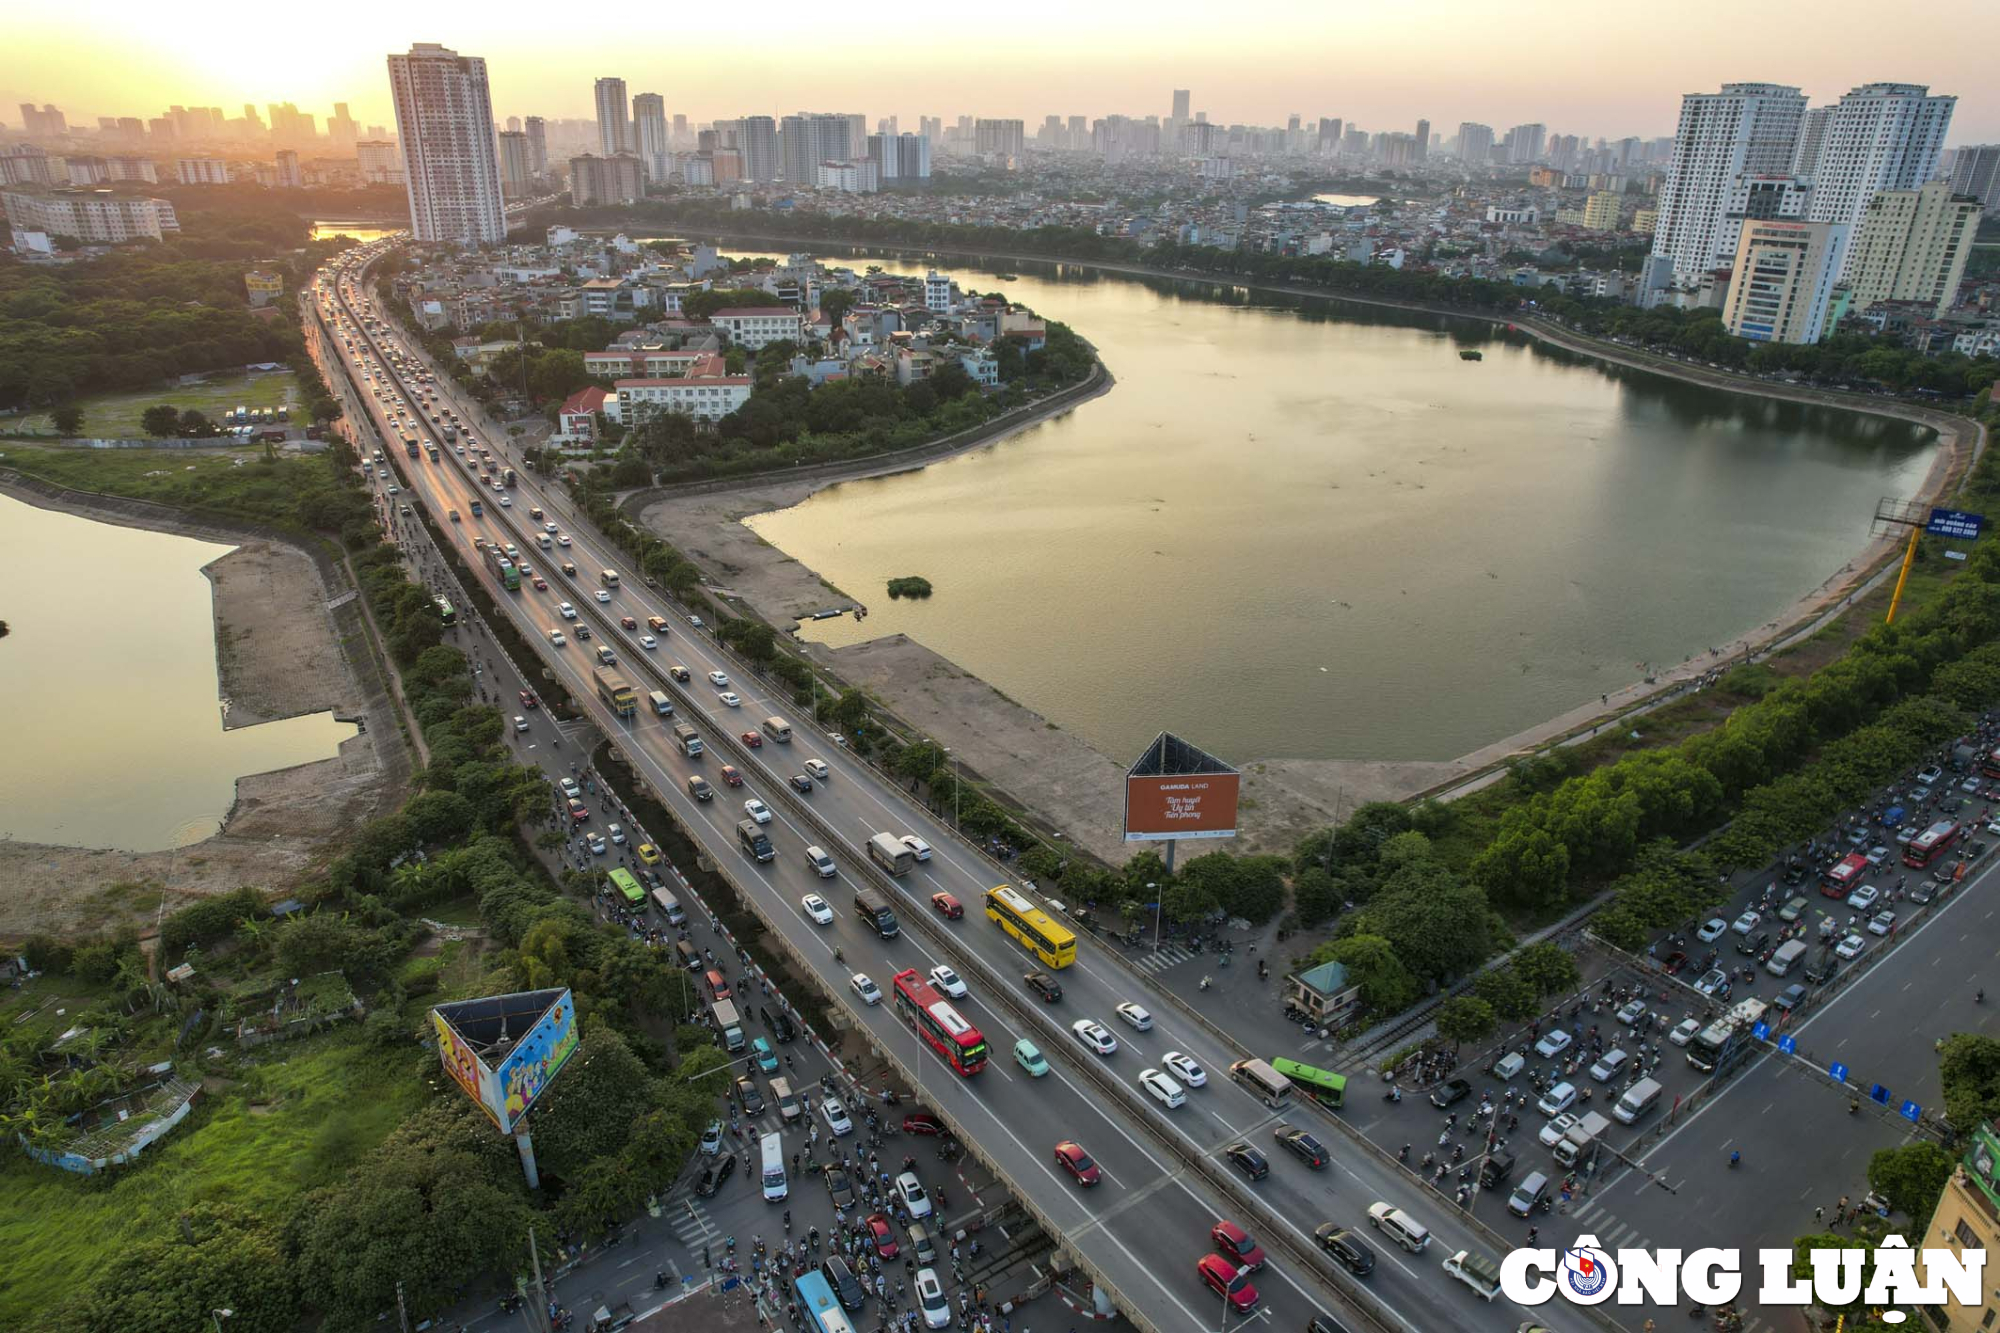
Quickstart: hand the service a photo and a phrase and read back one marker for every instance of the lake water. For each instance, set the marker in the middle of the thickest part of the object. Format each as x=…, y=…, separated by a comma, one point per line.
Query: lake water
x=114, y=729
x=362, y=232
x=1301, y=528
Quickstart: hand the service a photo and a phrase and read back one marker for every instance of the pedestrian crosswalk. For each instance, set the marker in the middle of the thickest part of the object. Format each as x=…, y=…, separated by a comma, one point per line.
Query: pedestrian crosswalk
x=692, y=1225
x=1159, y=960
x=1612, y=1234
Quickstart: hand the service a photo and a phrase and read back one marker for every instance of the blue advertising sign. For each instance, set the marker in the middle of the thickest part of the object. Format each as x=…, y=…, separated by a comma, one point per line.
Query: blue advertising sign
x=1761, y=1031
x=1910, y=1111
x=1878, y=1093
x=1837, y=1072
x=1955, y=523
x=1788, y=1044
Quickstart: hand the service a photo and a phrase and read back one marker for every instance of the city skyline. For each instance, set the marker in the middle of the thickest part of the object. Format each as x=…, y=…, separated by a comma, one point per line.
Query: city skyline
x=1359, y=67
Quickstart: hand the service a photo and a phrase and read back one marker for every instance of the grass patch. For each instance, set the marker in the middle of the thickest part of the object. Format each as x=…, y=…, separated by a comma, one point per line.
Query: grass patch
x=235, y=481
x=298, y=1117
x=115, y=416
x=910, y=585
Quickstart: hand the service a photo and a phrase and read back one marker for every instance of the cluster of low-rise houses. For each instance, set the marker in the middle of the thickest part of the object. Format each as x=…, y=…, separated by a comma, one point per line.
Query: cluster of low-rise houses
x=894, y=327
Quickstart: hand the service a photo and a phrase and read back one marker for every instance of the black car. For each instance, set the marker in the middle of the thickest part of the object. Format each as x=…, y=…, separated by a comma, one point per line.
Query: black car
x=1821, y=969
x=801, y=784
x=1496, y=1168
x=583, y=631
x=1794, y=995
x=753, y=1100
x=1346, y=1247
x=840, y=1187
x=1923, y=893
x=718, y=1170
x=1248, y=1160
x=1324, y=1323
x=779, y=1022
x=1754, y=943
x=1450, y=1094
x=1044, y=985
x=841, y=1279
x=1303, y=1145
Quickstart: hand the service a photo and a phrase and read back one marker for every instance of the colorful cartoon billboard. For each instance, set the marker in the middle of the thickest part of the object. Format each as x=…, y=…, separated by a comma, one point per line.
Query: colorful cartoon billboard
x=527, y=1036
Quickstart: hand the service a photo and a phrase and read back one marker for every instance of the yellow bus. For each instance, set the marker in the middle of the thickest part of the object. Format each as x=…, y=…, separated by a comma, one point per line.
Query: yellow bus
x=1036, y=930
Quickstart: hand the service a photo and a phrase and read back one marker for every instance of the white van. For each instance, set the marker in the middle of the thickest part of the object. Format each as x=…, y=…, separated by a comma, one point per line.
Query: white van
x=1508, y=1065
x=1638, y=1100
x=1786, y=957
x=775, y=1187
x=661, y=703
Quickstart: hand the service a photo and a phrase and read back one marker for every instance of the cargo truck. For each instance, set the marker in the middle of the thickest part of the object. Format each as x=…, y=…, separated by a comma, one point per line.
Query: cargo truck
x=729, y=1025
x=874, y=910
x=615, y=690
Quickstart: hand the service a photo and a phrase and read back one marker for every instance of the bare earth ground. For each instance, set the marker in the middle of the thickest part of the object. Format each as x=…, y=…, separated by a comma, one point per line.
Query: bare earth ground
x=1077, y=788
x=279, y=657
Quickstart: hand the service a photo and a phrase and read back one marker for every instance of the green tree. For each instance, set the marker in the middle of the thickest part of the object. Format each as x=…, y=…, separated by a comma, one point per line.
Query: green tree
x=161, y=420
x=67, y=419
x=211, y=1252
x=1912, y=1178
x=1507, y=992
x=1970, y=1072
x=1387, y=986
x=1464, y=1019
x=587, y=1112
x=1547, y=967
x=194, y=425
x=834, y=303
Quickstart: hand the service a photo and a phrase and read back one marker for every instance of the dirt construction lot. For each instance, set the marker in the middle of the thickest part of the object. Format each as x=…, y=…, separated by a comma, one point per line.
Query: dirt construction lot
x=280, y=653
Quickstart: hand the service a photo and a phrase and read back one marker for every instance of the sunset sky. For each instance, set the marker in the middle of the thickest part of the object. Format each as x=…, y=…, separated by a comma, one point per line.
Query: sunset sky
x=1587, y=68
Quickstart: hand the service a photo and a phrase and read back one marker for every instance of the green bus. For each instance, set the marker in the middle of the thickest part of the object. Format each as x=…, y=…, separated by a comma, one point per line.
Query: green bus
x=447, y=613
x=621, y=880
x=1319, y=1084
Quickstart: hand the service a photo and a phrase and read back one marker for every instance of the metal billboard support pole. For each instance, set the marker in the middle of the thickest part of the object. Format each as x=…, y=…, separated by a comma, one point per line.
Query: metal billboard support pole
x=1909, y=558
x=525, y=1143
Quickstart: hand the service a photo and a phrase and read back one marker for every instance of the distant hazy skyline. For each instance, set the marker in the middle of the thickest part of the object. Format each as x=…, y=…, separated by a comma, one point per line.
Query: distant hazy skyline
x=1579, y=68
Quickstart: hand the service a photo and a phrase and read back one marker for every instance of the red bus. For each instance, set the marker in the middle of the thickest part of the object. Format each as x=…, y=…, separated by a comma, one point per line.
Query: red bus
x=1929, y=845
x=1844, y=878
x=1990, y=765
x=940, y=1025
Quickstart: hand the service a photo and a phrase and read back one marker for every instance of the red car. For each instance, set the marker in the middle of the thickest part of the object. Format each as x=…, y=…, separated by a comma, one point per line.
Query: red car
x=528, y=699
x=731, y=776
x=578, y=812
x=628, y=622
x=541, y=584
x=1234, y=1244
x=1222, y=1277
x=1674, y=963
x=922, y=1122
x=1072, y=1158
x=948, y=905
x=879, y=1235
x=753, y=739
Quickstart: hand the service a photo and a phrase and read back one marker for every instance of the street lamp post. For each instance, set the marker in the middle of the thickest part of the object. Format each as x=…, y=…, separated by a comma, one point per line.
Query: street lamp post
x=219, y=1315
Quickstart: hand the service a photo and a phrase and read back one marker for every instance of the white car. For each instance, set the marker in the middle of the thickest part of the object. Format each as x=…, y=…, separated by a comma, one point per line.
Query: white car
x=604, y=594
x=506, y=501
x=565, y=610
x=823, y=866
x=549, y=527
x=556, y=638
x=836, y=1116
x=1185, y=1069
x=1554, y=1043
x=911, y=1192
x=864, y=985
x=1746, y=923
x=1882, y=923
x=730, y=700
x=615, y=833
x=571, y=790
x=931, y=1300
x=1631, y=1012
x=1712, y=930
x=520, y=723
x=1092, y=1034
x=1552, y=1133
x=718, y=678
x=648, y=642
x=1557, y=1099
x=948, y=981
x=1684, y=1031
x=596, y=843
x=1864, y=897
x=1140, y=1020
x=819, y=770
x=818, y=909
x=1165, y=1089
x=757, y=810
x=562, y=539
x=918, y=847
x=1851, y=947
